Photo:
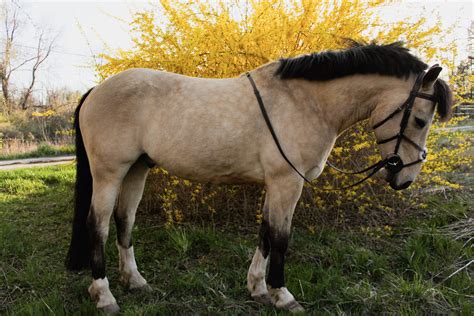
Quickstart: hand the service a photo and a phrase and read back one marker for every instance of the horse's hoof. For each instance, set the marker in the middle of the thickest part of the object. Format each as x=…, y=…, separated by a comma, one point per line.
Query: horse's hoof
x=144, y=288
x=110, y=310
x=264, y=299
x=293, y=307
x=283, y=299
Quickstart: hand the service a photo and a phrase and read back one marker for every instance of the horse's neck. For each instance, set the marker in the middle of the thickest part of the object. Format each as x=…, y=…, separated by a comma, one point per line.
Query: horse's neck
x=339, y=103
x=323, y=108
x=345, y=101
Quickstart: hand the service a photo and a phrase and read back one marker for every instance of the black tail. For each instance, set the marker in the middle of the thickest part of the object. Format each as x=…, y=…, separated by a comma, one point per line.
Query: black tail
x=79, y=250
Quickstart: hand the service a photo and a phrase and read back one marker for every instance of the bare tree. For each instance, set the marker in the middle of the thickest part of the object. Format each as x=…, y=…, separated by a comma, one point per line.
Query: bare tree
x=42, y=53
x=9, y=63
x=6, y=69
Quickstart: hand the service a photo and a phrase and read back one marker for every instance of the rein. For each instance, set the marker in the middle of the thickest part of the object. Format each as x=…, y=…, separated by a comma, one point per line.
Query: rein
x=393, y=162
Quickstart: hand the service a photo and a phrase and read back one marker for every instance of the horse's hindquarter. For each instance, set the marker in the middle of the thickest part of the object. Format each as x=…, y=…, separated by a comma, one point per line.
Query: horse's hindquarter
x=200, y=129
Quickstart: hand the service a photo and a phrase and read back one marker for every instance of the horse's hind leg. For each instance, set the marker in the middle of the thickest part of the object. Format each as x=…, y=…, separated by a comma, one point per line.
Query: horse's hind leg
x=129, y=198
x=106, y=185
x=256, y=274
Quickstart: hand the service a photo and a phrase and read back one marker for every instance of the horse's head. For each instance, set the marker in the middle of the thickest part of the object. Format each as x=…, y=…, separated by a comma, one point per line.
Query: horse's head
x=400, y=97
x=401, y=123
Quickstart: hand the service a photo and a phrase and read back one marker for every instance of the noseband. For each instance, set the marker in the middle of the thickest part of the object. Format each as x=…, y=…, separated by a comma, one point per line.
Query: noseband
x=393, y=162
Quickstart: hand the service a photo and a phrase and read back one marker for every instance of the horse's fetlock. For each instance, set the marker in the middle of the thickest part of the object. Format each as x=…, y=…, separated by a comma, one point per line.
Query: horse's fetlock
x=256, y=284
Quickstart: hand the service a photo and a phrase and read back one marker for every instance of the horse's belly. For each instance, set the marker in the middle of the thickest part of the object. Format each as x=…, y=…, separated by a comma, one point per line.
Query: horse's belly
x=207, y=151
x=203, y=167
x=229, y=178
x=207, y=159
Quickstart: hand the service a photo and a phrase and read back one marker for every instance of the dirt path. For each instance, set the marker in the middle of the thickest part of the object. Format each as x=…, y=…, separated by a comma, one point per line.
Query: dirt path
x=456, y=128
x=35, y=162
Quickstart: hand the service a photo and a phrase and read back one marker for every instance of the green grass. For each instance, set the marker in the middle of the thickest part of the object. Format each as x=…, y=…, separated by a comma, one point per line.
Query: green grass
x=43, y=150
x=201, y=269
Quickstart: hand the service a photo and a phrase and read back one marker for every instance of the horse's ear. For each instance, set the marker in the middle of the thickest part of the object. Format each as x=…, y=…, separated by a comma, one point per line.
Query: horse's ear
x=431, y=76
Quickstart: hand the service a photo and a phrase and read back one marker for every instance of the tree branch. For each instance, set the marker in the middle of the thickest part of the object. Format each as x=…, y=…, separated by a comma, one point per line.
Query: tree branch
x=21, y=64
x=40, y=58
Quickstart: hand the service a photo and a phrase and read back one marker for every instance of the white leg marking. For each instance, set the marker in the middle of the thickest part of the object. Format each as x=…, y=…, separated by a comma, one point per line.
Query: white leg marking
x=256, y=275
x=100, y=293
x=128, y=268
x=282, y=298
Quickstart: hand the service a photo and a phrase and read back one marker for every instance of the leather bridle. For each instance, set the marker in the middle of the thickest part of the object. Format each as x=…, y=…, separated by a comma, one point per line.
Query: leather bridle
x=393, y=162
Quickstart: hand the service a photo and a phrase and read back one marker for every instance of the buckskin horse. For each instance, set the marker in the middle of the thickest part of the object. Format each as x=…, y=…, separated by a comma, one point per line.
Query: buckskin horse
x=275, y=126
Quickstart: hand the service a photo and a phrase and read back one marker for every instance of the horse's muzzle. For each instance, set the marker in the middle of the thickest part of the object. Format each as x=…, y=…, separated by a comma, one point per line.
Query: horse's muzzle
x=403, y=186
x=390, y=177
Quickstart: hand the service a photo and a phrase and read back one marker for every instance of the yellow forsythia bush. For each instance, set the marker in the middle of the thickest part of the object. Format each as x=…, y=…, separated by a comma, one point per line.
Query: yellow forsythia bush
x=226, y=38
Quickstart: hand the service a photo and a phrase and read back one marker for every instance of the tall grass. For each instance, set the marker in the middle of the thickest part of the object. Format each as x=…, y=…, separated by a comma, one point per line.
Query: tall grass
x=18, y=149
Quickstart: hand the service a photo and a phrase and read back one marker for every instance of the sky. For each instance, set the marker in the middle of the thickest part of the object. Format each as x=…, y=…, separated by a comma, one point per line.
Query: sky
x=84, y=28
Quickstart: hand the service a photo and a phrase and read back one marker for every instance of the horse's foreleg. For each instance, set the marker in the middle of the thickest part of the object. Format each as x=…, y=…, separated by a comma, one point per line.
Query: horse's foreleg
x=129, y=198
x=105, y=189
x=283, y=194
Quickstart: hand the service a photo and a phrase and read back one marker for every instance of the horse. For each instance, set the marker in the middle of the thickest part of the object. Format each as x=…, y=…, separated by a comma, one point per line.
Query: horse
x=274, y=126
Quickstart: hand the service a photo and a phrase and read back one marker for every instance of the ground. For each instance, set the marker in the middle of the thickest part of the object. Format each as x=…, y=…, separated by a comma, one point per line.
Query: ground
x=420, y=267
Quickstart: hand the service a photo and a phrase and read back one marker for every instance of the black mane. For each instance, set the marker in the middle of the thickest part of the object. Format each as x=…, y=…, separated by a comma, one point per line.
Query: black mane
x=391, y=60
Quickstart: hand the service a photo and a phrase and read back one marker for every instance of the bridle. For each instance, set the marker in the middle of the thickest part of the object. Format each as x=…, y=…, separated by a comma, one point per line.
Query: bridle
x=393, y=162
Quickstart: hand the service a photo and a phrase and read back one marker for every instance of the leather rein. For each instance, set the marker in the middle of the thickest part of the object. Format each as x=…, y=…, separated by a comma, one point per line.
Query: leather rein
x=393, y=162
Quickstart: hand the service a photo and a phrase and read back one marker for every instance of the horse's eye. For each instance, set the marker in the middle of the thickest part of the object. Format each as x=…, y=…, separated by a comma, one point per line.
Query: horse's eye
x=420, y=123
